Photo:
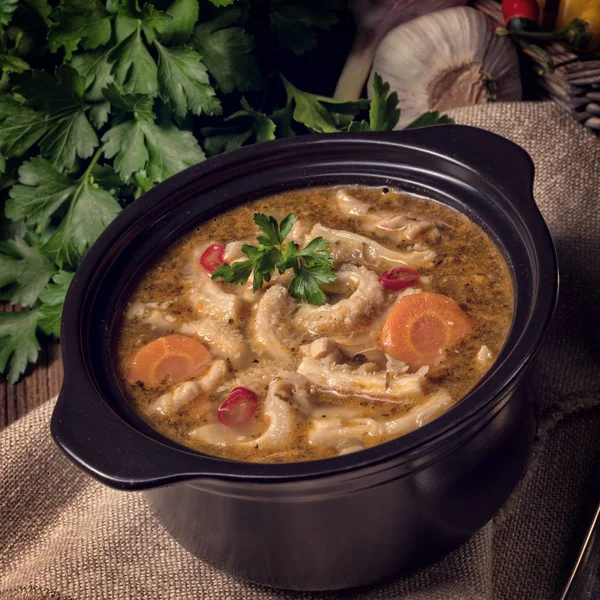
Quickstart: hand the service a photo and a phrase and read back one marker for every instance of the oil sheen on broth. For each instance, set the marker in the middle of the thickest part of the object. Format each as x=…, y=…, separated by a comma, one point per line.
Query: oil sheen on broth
x=373, y=364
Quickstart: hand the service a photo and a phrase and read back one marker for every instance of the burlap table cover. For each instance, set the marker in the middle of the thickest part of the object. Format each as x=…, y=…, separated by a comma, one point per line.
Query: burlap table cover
x=62, y=535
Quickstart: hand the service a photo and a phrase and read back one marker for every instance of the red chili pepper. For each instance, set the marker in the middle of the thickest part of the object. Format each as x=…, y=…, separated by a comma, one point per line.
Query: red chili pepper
x=521, y=15
x=212, y=257
x=399, y=278
x=238, y=408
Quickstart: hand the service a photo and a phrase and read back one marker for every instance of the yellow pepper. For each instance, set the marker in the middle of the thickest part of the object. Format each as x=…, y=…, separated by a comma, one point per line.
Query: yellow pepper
x=569, y=10
x=591, y=15
x=580, y=20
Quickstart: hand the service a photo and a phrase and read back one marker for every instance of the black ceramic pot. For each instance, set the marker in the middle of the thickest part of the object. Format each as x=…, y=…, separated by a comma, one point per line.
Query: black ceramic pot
x=344, y=521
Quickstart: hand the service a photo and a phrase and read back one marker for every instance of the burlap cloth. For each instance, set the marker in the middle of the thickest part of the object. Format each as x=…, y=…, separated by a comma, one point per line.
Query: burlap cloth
x=62, y=535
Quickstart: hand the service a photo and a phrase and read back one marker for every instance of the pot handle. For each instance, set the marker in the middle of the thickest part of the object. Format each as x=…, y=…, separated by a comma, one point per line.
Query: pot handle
x=495, y=159
x=102, y=443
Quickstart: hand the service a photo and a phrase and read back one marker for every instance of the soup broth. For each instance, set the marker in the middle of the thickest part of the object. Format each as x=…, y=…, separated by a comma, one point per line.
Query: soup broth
x=420, y=308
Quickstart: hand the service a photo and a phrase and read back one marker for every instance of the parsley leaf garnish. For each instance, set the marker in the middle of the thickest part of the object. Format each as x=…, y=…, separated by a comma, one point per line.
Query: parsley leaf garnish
x=312, y=266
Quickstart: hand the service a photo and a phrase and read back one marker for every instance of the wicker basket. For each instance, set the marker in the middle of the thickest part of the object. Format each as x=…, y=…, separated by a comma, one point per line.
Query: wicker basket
x=575, y=87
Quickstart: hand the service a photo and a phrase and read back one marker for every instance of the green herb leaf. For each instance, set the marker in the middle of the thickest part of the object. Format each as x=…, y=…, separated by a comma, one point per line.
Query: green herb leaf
x=319, y=113
x=21, y=127
x=153, y=21
x=133, y=69
x=75, y=22
x=69, y=134
x=430, y=118
x=286, y=225
x=222, y=2
x=130, y=17
x=52, y=298
x=126, y=143
x=177, y=30
x=282, y=117
x=96, y=70
x=227, y=52
x=356, y=126
x=243, y=126
x=295, y=23
x=12, y=64
x=18, y=342
x=99, y=114
x=308, y=110
x=138, y=105
x=170, y=150
x=41, y=7
x=238, y=272
x=316, y=254
x=225, y=138
x=137, y=144
x=91, y=209
x=7, y=8
x=24, y=271
x=106, y=177
x=269, y=226
x=312, y=265
x=183, y=82
x=384, y=112
x=304, y=286
x=42, y=191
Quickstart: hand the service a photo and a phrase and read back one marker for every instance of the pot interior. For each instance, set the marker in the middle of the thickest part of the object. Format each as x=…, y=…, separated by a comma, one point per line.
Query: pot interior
x=168, y=212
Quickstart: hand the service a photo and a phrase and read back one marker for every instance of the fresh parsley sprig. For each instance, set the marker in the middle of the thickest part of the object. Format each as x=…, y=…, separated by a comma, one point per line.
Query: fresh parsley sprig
x=313, y=265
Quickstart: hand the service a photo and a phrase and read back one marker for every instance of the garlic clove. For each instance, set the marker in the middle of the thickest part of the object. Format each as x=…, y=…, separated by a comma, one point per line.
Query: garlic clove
x=445, y=60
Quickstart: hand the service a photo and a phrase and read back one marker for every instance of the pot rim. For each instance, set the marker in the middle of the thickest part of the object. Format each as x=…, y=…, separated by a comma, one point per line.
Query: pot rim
x=81, y=404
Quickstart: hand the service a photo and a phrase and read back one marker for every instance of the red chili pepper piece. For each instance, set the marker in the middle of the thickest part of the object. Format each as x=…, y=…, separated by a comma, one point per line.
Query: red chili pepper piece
x=521, y=15
x=399, y=278
x=238, y=408
x=212, y=257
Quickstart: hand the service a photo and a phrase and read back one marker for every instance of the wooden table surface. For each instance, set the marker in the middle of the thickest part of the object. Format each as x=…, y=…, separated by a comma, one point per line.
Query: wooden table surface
x=41, y=382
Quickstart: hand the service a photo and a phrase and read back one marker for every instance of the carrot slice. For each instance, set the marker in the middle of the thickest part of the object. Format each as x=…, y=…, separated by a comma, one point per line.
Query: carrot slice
x=420, y=327
x=170, y=359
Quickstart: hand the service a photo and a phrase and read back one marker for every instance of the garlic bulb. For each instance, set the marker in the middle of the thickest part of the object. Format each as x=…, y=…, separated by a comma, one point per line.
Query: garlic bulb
x=447, y=59
x=374, y=18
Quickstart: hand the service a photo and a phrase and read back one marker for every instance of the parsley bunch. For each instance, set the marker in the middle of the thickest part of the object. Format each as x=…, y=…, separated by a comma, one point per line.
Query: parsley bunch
x=313, y=265
x=102, y=99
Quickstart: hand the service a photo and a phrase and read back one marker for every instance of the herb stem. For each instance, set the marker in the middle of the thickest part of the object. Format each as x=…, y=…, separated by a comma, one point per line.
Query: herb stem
x=93, y=162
